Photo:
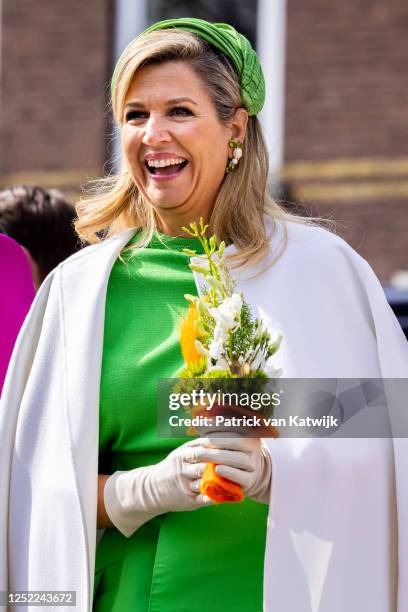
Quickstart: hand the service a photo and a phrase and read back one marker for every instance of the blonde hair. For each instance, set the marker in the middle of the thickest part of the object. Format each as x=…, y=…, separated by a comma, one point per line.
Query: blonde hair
x=238, y=215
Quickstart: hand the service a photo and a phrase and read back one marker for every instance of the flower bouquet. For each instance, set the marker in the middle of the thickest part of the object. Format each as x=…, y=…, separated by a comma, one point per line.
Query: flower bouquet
x=221, y=339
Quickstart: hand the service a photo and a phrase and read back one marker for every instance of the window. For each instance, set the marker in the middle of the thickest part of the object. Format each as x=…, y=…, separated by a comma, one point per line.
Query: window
x=241, y=15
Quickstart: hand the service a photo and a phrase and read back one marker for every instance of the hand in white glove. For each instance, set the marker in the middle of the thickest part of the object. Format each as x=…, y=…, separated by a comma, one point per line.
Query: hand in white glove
x=134, y=497
x=245, y=461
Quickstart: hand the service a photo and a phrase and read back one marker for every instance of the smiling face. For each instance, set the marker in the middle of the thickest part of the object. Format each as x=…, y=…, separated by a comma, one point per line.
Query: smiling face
x=174, y=144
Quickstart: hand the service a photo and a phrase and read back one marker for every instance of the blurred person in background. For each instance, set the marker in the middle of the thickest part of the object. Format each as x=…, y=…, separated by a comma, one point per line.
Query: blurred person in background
x=317, y=527
x=16, y=294
x=41, y=221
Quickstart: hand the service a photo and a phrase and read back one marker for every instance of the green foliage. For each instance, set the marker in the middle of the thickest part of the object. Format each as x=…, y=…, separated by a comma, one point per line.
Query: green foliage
x=242, y=337
x=196, y=369
x=219, y=374
x=221, y=284
x=206, y=325
x=257, y=374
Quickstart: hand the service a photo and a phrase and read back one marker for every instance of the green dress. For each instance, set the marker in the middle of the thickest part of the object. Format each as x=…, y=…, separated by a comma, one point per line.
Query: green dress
x=207, y=559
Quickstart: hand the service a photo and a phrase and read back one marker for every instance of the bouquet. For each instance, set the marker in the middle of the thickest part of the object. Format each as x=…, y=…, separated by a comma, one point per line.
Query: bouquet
x=220, y=338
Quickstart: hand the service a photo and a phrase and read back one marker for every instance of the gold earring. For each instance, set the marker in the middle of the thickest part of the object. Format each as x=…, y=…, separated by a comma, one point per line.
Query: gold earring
x=236, y=145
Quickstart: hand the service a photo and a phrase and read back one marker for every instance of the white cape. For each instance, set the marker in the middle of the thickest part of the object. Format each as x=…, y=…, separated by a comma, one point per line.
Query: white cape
x=329, y=497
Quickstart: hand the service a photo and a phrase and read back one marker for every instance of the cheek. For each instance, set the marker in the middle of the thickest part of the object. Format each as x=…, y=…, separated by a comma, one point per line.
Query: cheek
x=211, y=149
x=215, y=158
x=131, y=146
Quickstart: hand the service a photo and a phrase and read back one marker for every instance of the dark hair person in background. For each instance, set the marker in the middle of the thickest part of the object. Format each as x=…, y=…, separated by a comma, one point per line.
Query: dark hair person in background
x=41, y=221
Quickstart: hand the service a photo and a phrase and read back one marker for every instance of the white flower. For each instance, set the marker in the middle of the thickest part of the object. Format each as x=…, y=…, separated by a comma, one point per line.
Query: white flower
x=270, y=369
x=201, y=350
x=275, y=336
x=220, y=334
x=273, y=346
x=221, y=366
x=234, y=303
x=226, y=317
x=216, y=349
x=265, y=325
x=227, y=314
x=264, y=319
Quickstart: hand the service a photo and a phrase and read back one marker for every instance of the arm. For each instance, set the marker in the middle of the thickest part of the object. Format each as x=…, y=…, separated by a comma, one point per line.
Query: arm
x=102, y=520
x=128, y=499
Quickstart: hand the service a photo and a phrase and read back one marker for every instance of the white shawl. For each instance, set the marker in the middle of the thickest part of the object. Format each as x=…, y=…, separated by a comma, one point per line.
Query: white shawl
x=336, y=323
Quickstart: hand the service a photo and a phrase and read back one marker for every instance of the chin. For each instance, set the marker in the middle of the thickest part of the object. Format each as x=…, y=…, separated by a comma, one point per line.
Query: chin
x=166, y=201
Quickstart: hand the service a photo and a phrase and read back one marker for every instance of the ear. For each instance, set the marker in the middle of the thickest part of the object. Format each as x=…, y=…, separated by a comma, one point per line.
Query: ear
x=238, y=124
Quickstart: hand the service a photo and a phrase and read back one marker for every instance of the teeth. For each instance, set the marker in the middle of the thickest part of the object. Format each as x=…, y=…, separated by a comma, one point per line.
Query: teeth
x=161, y=163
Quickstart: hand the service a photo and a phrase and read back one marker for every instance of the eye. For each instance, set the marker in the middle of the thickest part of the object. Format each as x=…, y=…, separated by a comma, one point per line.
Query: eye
x=135, y=114
x=181, y=111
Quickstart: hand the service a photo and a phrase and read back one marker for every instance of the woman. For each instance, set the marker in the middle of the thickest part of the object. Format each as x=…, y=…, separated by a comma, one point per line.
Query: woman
x=104, y=328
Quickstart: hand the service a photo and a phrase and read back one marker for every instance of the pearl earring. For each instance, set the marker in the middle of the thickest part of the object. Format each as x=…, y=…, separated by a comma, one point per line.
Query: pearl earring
x=236, y=145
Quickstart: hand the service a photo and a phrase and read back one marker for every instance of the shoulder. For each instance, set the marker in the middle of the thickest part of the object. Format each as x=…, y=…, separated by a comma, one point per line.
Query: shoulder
x=314, y=248
x=314, y=239
x=76, y=274
x=314, y=263
x=93, y=251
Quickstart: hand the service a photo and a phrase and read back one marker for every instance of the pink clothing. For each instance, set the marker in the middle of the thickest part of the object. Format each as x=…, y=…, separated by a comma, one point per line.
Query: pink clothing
x=16, y=294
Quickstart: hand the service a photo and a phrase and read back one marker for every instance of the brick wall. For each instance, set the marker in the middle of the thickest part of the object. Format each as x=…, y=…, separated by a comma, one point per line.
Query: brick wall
x=347, y=91
x=55, y=62
x=347, y=118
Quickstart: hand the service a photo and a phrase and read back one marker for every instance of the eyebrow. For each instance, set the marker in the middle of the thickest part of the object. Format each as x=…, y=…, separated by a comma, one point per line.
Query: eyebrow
x=137, y=104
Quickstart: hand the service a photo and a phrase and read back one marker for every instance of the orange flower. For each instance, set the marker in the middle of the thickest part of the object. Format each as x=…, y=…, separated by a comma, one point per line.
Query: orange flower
x=219, y=489
x=189, y=334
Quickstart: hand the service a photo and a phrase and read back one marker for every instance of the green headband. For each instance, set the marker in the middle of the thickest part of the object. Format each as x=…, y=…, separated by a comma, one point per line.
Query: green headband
x=235, y=46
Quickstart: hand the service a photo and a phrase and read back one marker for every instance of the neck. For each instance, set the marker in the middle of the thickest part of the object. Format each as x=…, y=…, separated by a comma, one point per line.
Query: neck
x=170, y=222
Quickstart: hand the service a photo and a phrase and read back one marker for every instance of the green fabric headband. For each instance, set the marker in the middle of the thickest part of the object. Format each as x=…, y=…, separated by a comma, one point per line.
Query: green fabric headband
x=235, y=46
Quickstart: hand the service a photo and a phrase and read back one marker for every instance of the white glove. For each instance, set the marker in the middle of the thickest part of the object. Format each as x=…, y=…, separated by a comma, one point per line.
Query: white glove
x=136, y=496
x=245, y=461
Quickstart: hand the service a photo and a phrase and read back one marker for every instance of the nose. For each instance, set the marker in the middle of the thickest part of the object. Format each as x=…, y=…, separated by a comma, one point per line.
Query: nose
x=155, y=131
